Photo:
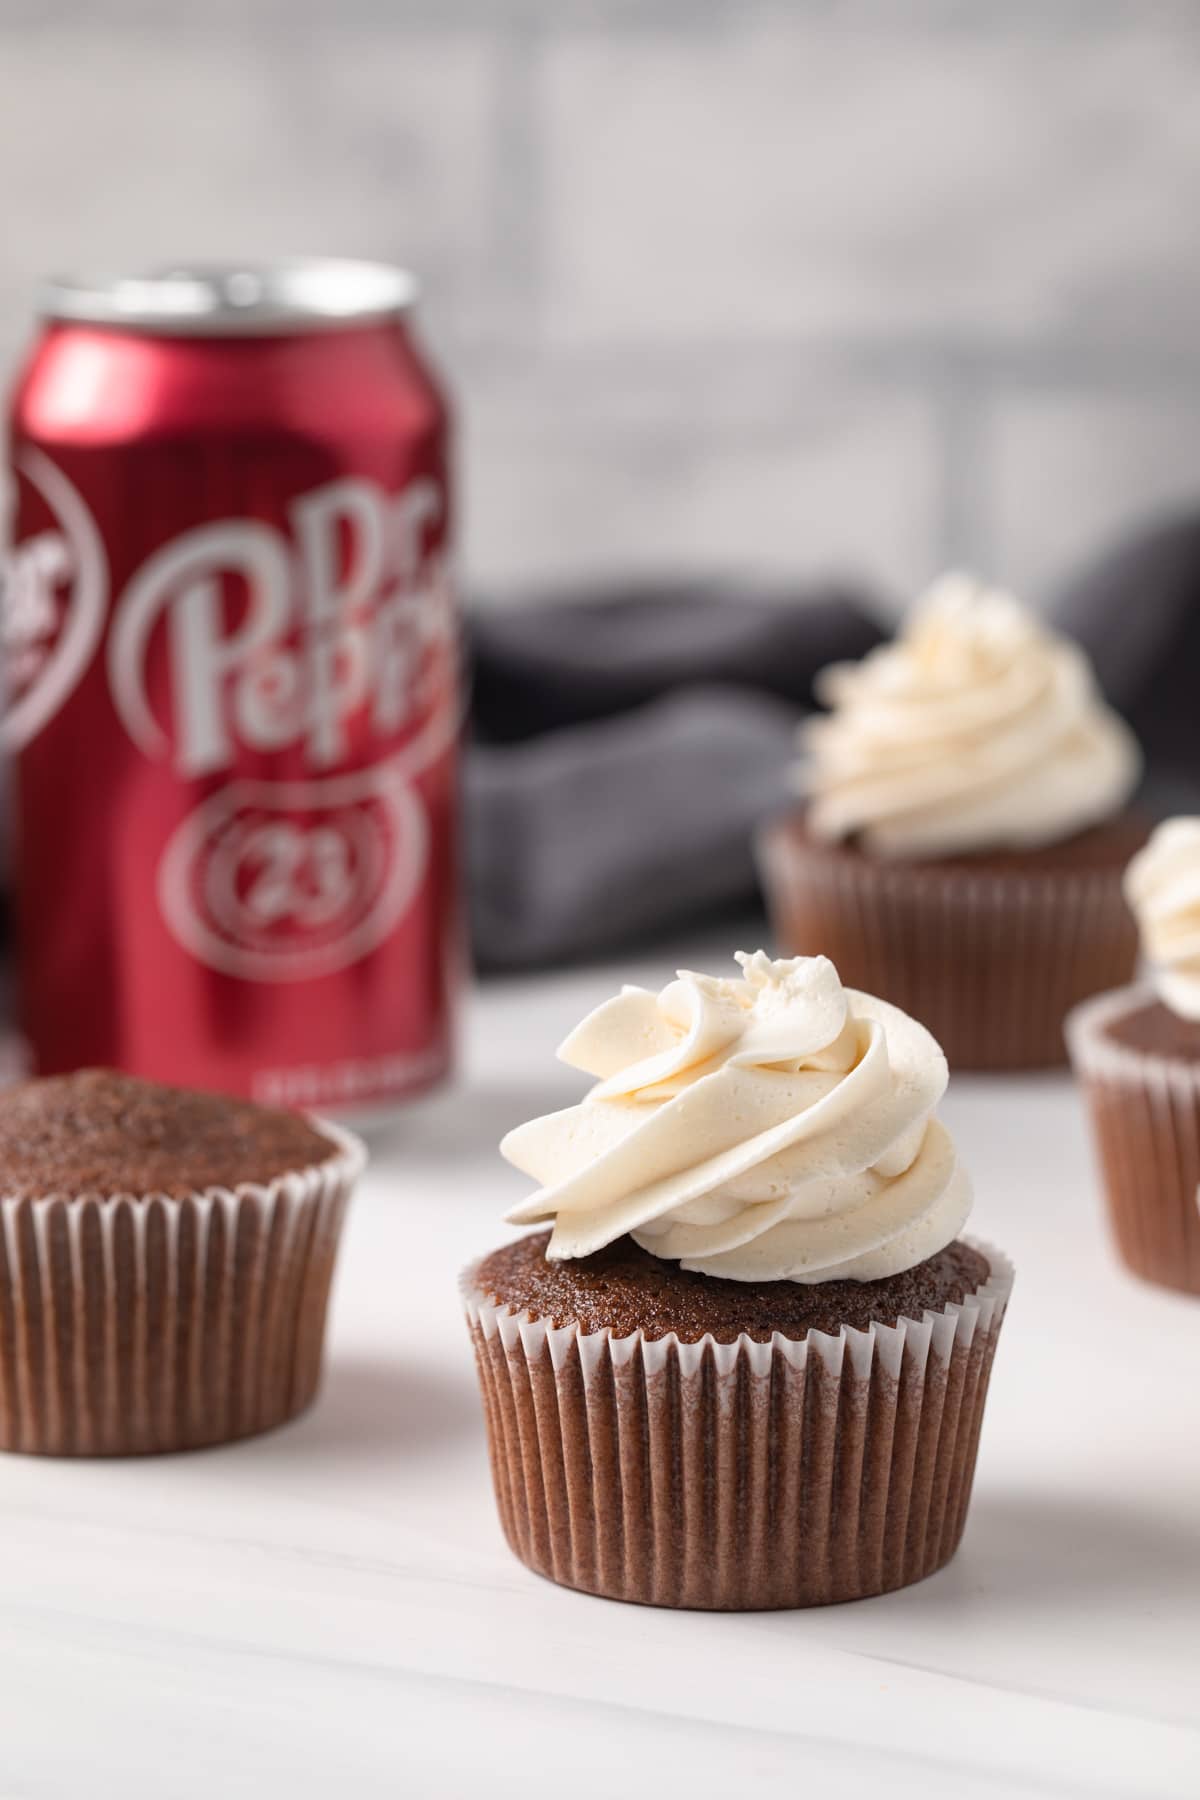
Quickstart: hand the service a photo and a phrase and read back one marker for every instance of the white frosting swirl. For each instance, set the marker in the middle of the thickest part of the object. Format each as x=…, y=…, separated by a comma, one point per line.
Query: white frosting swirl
x=1162, y=885
x=773, y=1127
x=977, y=729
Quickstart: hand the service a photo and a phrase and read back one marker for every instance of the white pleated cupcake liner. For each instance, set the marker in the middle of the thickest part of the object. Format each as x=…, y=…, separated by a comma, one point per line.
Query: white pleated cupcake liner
x=990, y=961
x=1145, y=1114
x=131, y=1324
x=736, y=1476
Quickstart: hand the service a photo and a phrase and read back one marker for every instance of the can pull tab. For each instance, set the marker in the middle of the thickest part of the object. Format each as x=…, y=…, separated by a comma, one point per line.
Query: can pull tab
x=237, y=288
x=244, y=288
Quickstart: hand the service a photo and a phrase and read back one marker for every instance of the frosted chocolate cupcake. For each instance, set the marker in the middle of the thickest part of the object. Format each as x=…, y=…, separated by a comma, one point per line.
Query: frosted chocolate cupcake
x=165, y=1263
x=746, y=1366
x=1137, y=1053
x=964, y=831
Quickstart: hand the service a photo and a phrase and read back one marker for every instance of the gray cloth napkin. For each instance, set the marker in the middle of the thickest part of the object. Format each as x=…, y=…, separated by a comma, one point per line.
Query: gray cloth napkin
x=627, y=743
x=624, y=747
x=592, y=837
x=1136, y=610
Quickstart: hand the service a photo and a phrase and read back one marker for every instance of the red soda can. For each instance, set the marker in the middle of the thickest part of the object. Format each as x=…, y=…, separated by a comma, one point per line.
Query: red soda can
x=232, y=685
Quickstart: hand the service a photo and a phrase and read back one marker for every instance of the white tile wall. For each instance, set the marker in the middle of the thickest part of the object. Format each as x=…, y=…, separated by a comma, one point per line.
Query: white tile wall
x=1070, y=472
x=143, y=145
x=783, y=462
x=793, y=175
x=741, y=283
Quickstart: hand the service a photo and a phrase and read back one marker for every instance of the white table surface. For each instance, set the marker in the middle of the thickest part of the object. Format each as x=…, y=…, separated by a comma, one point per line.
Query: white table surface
x=331, y=1610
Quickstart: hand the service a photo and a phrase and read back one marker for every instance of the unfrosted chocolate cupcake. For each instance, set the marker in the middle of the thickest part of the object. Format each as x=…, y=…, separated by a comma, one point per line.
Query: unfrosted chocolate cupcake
x=1137, y=1054
x=165, y=1263
x=964, y=832
x=747, y=1366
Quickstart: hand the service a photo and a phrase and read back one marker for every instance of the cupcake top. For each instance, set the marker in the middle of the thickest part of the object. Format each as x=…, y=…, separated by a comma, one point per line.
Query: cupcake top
x=771, y=1127
x=1162, y=885
x=624, y=1289
x=99, y=1132
x=976, y=729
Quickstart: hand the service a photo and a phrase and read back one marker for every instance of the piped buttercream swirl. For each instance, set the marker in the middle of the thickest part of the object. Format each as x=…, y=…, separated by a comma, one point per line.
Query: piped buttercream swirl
x=977, y=729
x=1162, y=885
x=775, y=1126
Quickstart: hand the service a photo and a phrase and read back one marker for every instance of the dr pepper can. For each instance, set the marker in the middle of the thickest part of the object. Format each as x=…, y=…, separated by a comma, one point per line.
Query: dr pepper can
x=232, y=685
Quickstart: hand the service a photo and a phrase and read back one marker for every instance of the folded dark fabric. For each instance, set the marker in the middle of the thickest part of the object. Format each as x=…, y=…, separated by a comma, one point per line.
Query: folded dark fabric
x=593, y=653
x=627, y=742
x=1136, y=611
x=625, y=747
x=583, y=840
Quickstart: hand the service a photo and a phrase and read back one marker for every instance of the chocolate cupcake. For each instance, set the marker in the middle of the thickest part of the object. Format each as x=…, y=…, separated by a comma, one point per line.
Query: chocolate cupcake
x=964, y=832
x=1137, y=1054
x=746, y=1368
x=165, y=1263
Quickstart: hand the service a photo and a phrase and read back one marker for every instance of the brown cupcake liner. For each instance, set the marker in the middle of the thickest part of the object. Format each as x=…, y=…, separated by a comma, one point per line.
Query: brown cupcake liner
x=991, y=961
x=736, y=1476
x=1145, y=1113
x=151, y=1323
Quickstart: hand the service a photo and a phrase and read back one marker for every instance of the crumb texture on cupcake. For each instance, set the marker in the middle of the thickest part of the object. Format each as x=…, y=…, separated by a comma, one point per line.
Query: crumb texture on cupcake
x=625, y=1289
x=100, y=1132
x=977, y=729
x=776, y=1127
x=1148, y=1028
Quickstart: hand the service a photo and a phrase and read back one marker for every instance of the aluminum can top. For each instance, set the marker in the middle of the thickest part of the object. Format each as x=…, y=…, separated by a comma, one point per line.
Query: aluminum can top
x=234, y=299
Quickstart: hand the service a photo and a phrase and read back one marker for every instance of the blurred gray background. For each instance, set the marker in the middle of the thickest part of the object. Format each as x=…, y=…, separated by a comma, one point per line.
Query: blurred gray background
x=781, y=287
